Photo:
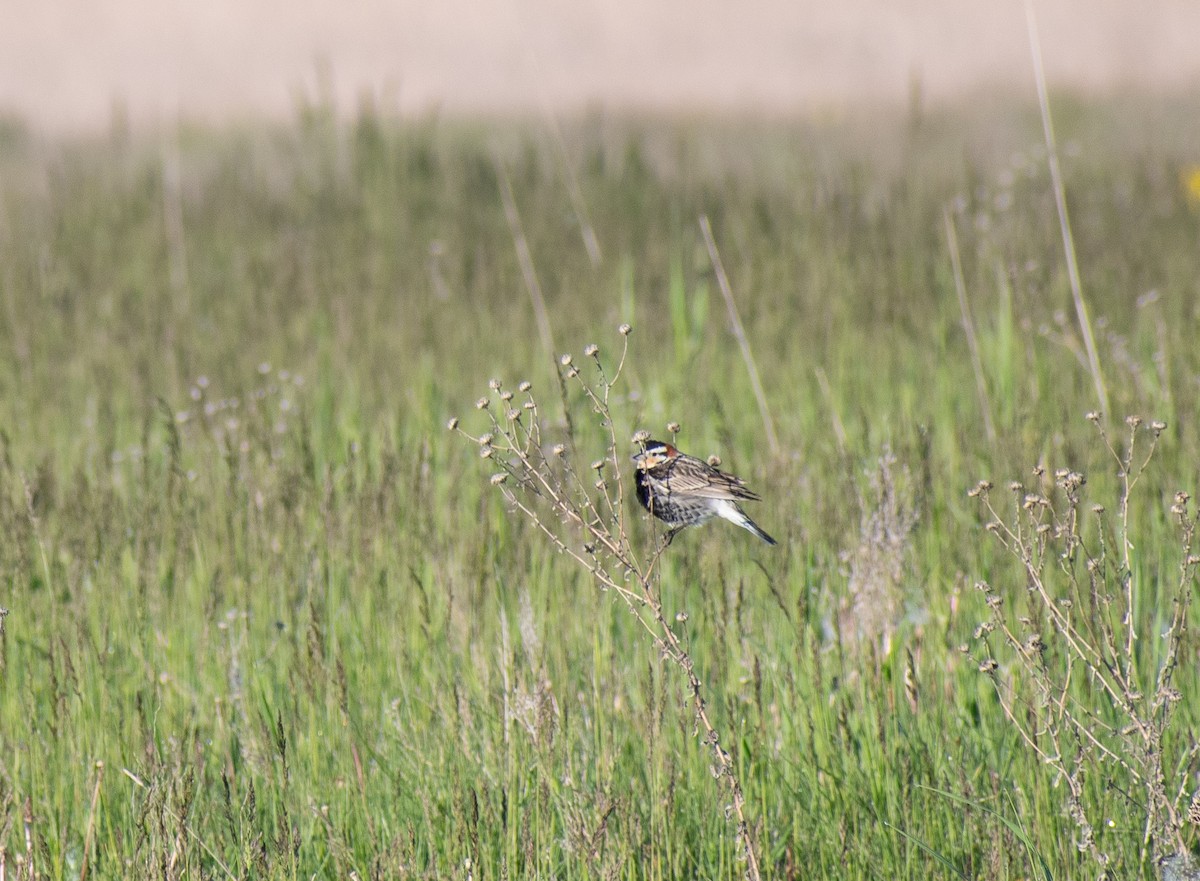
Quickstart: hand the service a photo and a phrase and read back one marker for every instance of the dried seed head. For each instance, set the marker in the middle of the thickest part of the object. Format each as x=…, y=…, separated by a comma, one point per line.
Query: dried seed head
x=681, y=617
x=625, y=330
x=559, y=450
x=599, y=484
x=1158, y=427
x=486, y=440
x=572, y=372
x=1097, y=509
x=1133, y=421
x=525, y=386
x=498, y=479
x=453, y=423
x=1092, y=416
x=485, y=453
x=529, y=405
x=506, y=396
x=980, y=488
x=1039, y=471
x=598, y=465
x=1016, y=486
x=494, y=384
x=641, y=436
x=988, y=666
x=565, y=360
x=674, y=427
x=714, y=461
x=513, y=415
x=481, y=404
x=591, y=349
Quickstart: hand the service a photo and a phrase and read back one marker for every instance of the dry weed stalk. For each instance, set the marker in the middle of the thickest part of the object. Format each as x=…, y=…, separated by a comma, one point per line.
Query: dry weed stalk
x=1090, y=689
x=545, y=483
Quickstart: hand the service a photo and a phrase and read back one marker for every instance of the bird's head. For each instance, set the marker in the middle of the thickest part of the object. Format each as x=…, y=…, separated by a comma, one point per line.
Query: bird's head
x=654, y=453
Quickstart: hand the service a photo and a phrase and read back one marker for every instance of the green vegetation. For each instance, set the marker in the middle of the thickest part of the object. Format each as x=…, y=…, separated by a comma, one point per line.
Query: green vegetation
x=267, y=618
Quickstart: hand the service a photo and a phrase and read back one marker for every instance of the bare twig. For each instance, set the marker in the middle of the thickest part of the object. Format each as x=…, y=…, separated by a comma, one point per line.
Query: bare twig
x=550, y=490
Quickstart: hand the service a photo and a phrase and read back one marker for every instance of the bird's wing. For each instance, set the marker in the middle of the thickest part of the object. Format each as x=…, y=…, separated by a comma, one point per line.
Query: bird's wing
x=691, y=477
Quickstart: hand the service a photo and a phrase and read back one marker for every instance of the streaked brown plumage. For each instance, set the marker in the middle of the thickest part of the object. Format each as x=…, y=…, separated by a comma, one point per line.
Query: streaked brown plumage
x=682, y=490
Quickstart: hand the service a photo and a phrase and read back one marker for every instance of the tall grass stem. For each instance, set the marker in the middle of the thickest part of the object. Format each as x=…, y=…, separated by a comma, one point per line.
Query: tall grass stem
x=1064, y=221
x=739, y=333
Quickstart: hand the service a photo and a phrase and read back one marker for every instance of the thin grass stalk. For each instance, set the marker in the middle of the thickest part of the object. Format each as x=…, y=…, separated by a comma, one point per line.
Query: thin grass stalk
x=739, y=333
x=1060, y=202
x=960, y=287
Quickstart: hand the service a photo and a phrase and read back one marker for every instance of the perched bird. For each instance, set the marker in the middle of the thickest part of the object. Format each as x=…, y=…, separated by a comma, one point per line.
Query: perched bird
x=682, y=490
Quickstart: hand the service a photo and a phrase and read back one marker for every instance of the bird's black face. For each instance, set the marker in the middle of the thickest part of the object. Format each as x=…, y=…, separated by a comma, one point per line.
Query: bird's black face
x=655, y=454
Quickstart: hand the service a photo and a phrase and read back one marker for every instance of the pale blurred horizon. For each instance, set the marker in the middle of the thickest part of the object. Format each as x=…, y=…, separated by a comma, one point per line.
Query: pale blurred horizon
x=71, y=65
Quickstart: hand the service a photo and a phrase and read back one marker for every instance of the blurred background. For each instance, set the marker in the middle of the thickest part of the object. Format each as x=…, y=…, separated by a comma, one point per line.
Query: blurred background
x=72, y=64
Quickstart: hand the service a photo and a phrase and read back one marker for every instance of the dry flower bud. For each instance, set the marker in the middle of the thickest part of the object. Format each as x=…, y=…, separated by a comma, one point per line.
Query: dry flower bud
x=681, y=617
x=641, y=436
x=1158, y=426
x=1097, y=509
x=481, y=404
x=988, y=666
x=591, y=349
x=625, y=330
x=513, y=415
x=1133, y=421
x=598, y=464
x=498, y=479
x=506, y=396
x=453, y=423
x=674, y=427
x=558, y=450
x=485, y=453
x=714, y=461
x=1092, y=416
x=599, y=484
x=565, y=360
x=486, y=440
x=529, y=405
x=1016, y=486
x=494, y=384
x=525, y=386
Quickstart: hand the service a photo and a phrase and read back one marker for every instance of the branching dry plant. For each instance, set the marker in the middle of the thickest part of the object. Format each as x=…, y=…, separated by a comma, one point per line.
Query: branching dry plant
x=1091, y=694
x=545, y=483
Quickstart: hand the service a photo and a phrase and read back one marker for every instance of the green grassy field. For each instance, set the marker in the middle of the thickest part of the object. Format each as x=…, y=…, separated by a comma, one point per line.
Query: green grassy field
x=268, y=619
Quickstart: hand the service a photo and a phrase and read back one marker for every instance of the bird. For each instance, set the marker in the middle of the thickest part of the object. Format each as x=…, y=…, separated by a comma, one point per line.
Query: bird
x=681, y=490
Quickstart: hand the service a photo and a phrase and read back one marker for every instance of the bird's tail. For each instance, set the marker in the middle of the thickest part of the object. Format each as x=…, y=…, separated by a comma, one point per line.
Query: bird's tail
x=734, y=514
